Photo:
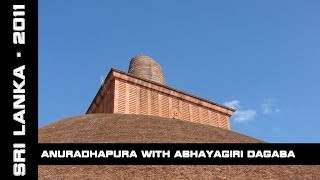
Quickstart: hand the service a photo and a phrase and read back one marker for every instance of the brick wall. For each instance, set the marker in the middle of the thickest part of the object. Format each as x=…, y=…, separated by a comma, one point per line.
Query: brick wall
x=135, y=99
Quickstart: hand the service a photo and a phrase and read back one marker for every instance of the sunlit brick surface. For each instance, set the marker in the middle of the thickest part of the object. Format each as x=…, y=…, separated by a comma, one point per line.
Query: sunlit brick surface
x=126, y=94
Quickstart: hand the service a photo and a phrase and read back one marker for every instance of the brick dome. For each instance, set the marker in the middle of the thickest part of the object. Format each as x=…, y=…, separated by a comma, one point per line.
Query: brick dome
x=145, y=67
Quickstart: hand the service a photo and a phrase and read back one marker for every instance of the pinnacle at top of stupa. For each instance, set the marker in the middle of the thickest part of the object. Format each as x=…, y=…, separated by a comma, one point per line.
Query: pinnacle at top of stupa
x=145, y=67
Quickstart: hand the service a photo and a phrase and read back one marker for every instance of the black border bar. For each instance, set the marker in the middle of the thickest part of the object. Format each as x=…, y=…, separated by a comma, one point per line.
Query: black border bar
x=305, y=154
x=22, y=51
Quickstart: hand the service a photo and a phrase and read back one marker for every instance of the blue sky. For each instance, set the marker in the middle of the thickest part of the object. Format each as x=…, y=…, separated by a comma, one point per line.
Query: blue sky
x=260, y=57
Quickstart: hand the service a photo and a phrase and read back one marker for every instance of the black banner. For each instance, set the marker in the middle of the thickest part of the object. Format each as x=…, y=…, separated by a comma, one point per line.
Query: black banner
x=179, y=154
x=21, y=105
